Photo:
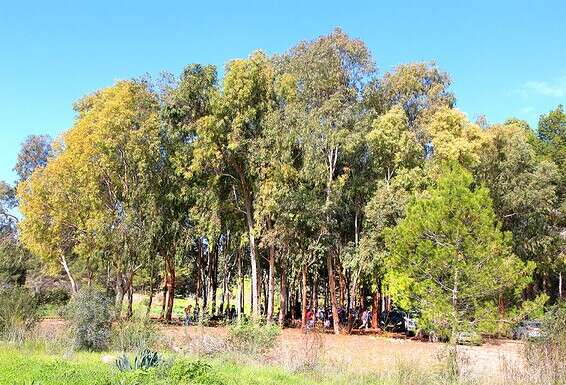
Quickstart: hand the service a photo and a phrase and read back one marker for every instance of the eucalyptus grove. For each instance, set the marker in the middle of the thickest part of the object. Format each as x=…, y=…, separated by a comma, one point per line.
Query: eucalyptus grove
x=308, y=175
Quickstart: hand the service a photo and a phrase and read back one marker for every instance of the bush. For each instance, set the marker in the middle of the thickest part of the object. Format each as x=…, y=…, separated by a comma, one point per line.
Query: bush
x=546, y=355
x=89, y=312
x=55, y=296
x=186, y=371
x=133, y=335
x=18, y=313
x=253, y=337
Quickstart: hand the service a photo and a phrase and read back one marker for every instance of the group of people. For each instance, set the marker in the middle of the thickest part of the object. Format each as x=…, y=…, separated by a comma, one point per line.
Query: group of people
x=323, y=316
x=360, y=317
x=191, y=316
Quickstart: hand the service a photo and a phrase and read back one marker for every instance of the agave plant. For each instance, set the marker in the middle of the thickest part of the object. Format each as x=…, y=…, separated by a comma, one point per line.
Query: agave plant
x=143, y=360
x=146, y=359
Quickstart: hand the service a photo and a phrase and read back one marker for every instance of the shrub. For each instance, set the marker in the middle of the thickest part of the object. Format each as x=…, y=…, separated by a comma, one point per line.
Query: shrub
x=89, y=312
x=18, y=312
x=186, y=371
x=546, y=355
x=55, y=296
x=133, y=335
x=253, y=337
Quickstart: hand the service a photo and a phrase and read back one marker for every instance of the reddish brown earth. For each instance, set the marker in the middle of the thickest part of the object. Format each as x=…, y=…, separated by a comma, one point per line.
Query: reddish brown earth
x=360, y=352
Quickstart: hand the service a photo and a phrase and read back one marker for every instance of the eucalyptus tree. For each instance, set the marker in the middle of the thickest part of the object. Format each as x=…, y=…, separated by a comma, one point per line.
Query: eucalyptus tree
x=552, y=133
x=227, y=140
x=418, y=88
x=99, y=178
x=330, y=74
x=34, y=153
x=178, y=192
x=524, y=192
x=54, y=213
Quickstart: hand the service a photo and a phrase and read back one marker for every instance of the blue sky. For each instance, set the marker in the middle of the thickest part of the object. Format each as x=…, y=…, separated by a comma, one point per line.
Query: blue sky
x=506, y=58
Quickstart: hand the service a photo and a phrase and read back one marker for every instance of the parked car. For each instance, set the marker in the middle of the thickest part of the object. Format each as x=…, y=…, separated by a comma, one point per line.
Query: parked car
x=528, y=330
x=469, y=338
x=411, y=323
x=393, y=321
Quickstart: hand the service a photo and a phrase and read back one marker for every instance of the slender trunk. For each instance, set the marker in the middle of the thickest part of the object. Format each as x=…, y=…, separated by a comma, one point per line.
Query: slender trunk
x=283, y=297
x=130, y=310
x=271, y=284
x=560, y=285
x=248, y=203
x=119, y=294
x=149, y=303
x=225, y=279
x=72, y=281
x=342, y=284
x=375, y=310
x=353, y=294
x=314, y=293
x=170, y=284
x=332, y=289
x=151, y=290
x=304, y=298
x=292, y=300
x=199, y=274
x=240, y=284
x=164, y=299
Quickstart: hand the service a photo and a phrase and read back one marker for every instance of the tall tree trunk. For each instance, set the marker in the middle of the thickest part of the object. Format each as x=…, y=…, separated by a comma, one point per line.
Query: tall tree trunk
x=119, y=294
x=292, y=300
x=130, y=310
x=271, y=284
x=560, y=285
x=72, y=281
x=332, y=289
x=248, y=203
x=170, y=284
x=314, y=293
x=342, y=284
x=240, y=284
x=151, y=289
x=352, y=295
x=164, y=299
x=283, y=296
x=199, y=275
x=375, y=310
x=304, y=298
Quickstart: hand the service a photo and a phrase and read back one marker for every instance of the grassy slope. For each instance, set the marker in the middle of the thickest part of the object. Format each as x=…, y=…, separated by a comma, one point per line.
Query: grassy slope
x=23, y=366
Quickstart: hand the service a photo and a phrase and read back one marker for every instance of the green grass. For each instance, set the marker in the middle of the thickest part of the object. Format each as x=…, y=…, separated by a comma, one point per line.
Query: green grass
x=181, y=303
x=22, y=366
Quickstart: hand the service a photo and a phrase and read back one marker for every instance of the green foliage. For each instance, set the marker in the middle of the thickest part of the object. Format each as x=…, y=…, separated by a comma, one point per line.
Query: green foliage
x=18, y=313
x=189, y=371
x=253, y=337
x=547, y=353
x=89, y=313
x=133, y=335
x=453, y=253
x=55, y=296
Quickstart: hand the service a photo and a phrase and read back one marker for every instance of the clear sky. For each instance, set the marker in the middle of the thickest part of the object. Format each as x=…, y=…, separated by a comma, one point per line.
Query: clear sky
x=506, y=58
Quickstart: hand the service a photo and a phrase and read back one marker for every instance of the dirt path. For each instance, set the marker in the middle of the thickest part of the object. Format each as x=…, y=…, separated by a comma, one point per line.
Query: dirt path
x=362, y=352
